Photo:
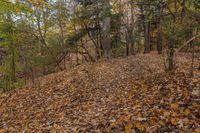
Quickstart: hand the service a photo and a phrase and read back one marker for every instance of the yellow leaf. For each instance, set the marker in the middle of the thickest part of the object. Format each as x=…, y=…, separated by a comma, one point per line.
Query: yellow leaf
x=2, y=131
x=128, y=128
x=196, y=105
x=173, y=121
x=197, y=130
x=186, y=93
x=187, y=112
x=162, y=123
x=166, y=114
x=137, y=106
x=174, y=114
x=139, y=126
x=128, y=117
x=174, y=105
x=17, y=10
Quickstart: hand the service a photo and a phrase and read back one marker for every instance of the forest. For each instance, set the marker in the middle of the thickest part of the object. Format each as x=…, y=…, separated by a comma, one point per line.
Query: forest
x=106, y=66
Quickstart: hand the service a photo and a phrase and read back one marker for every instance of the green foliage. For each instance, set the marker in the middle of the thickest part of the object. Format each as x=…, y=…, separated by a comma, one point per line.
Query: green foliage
x=197, y=3
x=36, y=34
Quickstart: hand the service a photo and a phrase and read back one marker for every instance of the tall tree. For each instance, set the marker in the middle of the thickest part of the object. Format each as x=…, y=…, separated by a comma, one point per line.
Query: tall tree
x=106, y=29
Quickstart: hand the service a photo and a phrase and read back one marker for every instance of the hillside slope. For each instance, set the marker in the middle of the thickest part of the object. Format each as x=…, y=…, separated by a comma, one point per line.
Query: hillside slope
x=129, y=94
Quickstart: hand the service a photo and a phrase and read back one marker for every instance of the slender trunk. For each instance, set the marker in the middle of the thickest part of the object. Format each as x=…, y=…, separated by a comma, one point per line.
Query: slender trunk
x=159, y=42
x=159, y=33
x=127, y=42
x=132, y=40
x=32, y=76
x=106, y=30
x=170, y=53
x=132, y=45
x=77, y=58
x=98, y=51
x=183, y=10
x=13, y=66
x=190, y=35
x=147, y=37
x=172, y=42
x=100, y=41
x=64, y=63
x=192, y=64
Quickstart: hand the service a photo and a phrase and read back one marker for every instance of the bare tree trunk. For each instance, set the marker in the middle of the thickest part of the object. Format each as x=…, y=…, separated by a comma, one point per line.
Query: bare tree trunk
x=32, y=76
x=98, y=50
x=106, y=30
x=159, y=42
x=170, y=53
x=100, y=43
x=147, y=37
x=127, y=41
x=172, y=42
x=183, y=10
x=12, y=65
x=159, y=33
x=132, y=40
x=192, y=64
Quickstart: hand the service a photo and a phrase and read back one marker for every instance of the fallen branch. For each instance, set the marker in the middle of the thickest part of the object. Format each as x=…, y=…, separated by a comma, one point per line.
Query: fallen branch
x=193, y=38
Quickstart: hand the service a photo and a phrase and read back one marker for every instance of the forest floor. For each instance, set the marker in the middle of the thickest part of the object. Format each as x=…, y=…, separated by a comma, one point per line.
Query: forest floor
x=129, y=95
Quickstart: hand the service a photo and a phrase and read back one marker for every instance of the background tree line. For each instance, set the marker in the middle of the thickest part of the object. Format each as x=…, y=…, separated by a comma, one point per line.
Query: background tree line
x=38, y=37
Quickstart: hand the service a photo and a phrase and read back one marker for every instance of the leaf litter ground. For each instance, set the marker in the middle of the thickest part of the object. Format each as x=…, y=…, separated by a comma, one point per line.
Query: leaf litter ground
x=122, y=95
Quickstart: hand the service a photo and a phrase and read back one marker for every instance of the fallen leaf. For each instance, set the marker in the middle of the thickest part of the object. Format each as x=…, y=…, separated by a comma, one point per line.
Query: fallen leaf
x=174, y=105
x=152, y=129
x=140, y=126
x=174, y=121
x=197, y=130
x=187, y=112
x=128, y=128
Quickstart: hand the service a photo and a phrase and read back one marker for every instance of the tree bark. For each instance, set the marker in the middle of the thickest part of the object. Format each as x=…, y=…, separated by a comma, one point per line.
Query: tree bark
x=127, y=41
x=172, y=41
x=192, y=64
x=159, y=33
x=106, y=30
x=132, y=40
x=147, y=37
x=159, y=42
x=170, y=54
